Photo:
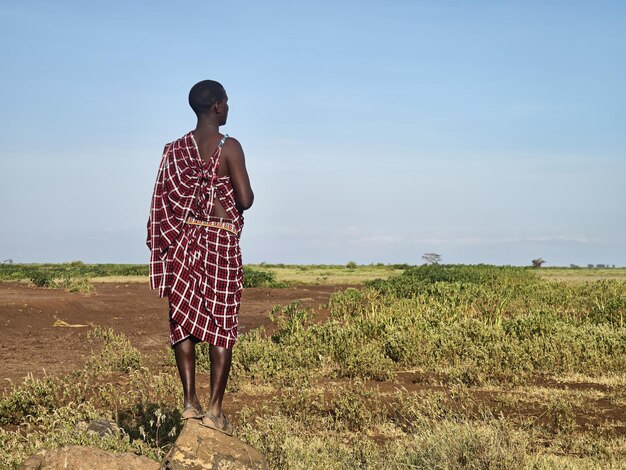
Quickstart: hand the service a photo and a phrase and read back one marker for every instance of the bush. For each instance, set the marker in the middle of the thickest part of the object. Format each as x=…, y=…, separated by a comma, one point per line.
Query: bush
x=33, y=398
x=117, y=354
x=256, y=278
x=415, y=280
x=77, y=284
x=41, y=279
x=43, y=275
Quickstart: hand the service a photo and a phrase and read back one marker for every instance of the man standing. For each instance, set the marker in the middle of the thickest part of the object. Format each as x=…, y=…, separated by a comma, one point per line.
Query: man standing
x=201, y=191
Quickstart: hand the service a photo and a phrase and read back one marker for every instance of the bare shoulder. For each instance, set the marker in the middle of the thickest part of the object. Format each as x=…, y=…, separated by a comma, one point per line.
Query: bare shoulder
x=232, y=144
x=233, y=150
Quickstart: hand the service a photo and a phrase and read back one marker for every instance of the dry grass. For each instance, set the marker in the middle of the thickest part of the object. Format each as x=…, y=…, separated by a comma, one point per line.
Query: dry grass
x=582, y=274
x=328, y=274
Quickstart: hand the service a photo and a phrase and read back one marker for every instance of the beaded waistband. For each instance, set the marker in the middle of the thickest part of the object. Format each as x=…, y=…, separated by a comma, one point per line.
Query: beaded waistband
x=230, y=227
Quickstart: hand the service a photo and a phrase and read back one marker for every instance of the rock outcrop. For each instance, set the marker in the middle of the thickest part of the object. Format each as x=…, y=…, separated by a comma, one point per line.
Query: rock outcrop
x=197, y=448
x=200, y=448
x=87, y=458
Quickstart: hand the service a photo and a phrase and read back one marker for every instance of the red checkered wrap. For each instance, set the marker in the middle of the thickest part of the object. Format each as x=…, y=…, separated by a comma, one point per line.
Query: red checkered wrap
x=199, y=268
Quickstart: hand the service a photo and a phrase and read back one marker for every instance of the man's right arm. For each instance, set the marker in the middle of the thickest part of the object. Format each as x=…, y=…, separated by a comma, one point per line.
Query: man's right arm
x=235, y=159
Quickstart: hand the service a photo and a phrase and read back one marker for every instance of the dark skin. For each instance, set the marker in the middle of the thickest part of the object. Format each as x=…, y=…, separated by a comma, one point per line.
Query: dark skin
x=232, y=163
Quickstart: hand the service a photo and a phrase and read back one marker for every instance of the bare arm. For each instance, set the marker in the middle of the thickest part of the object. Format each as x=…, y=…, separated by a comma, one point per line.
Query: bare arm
x=235, y=159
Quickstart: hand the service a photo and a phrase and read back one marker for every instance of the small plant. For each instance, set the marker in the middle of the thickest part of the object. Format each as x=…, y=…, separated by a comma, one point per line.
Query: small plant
x=561, y=416
x=79, y=284
x=117, y=354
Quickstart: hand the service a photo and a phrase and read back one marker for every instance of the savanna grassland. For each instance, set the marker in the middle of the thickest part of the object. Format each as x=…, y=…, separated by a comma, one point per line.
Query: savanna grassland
x=428, y=367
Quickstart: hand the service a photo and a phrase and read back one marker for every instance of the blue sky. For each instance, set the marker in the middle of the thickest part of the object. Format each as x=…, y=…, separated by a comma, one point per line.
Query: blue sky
x=485, y=131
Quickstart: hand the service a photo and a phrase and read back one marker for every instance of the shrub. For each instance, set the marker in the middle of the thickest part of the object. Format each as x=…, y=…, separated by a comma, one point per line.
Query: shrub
x=79, y=284
x=33, y=398
x=41, y=279
x=117, y=354
x=256, y=278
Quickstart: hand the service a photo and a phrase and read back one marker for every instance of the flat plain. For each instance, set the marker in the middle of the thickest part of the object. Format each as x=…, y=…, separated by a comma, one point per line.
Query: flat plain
x=338, y=367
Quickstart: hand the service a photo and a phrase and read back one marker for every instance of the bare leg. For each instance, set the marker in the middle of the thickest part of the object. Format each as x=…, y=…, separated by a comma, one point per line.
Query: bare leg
x=185, y=352
x=221, y=359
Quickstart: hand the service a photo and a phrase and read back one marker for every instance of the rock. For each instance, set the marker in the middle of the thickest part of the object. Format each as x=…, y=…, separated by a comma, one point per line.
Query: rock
x=87, y=458
x=202, y=448
x=197, y=448
x=103, y=427
x=100, y=427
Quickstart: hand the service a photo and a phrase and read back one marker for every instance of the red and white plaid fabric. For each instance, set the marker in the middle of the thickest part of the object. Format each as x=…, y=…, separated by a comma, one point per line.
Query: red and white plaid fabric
x=198, y=268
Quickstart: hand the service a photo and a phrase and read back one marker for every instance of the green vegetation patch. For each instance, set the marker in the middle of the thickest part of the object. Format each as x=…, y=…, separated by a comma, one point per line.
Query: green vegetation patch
x=328, y=394
x=44, y=274
x=370, y=337
x=56, y=411
x=257, y=278
x=73, y=277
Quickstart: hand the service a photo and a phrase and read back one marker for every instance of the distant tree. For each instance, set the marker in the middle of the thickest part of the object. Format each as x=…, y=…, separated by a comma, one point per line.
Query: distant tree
x=8, y=261
x=431, y=258
x=351, y=265
x=538, y=262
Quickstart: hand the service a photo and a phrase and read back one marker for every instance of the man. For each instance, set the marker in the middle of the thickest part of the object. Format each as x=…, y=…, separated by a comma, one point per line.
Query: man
x=195, y=222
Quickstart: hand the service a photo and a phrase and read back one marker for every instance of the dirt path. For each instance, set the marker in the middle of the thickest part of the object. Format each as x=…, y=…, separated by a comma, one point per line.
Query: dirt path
x=30, y=343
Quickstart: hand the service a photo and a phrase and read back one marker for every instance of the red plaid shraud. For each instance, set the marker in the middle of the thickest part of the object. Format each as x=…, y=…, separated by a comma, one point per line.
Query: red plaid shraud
x=197, y=267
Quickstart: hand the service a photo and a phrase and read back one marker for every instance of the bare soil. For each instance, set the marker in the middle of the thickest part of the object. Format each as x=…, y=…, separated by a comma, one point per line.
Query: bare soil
x=31, y=343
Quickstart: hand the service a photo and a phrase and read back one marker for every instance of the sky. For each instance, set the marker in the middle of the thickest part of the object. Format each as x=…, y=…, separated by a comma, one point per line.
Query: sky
x=374, y=132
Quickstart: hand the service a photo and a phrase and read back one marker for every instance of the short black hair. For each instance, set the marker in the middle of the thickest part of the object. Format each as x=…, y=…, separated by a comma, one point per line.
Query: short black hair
x=203, y=95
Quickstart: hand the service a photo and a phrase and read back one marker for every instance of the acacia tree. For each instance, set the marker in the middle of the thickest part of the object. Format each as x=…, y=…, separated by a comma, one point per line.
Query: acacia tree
x=431, y=258
x=538, y=262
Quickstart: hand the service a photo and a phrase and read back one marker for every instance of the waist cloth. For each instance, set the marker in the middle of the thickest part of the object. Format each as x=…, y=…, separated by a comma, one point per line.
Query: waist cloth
x=207, y=282
x=195, y=258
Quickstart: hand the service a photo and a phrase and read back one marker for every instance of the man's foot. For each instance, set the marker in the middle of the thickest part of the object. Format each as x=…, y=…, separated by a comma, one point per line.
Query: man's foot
x=192, y=409
x=191, y=412
x=219, y=423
